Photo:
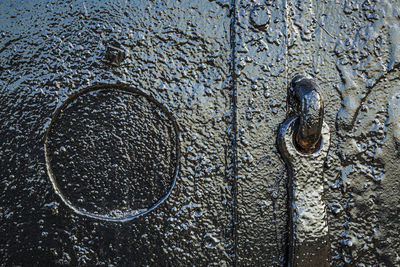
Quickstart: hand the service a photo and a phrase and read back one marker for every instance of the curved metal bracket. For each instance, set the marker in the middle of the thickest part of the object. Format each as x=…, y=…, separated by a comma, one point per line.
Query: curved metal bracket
x=308, y=228
x=305, y=101
x=303, y=140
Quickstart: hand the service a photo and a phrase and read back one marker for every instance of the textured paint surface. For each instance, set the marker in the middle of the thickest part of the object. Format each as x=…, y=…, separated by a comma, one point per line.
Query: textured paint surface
x=112, y=154
x=221, y=68
x=176, y=52
x=260, y=56
x=352, y=50
x=308, y=226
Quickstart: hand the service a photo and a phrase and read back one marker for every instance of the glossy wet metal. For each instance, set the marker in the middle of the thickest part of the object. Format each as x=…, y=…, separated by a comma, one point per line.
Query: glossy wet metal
x=305, y=101
x=303, y=140
x=260, y=75
x=352, y=50
x=177, y=53
x=221, y=69
x=308, y=226
x=90, y=174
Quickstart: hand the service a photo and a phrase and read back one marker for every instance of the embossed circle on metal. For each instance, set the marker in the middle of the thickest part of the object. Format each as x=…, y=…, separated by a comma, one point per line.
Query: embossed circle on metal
x=112, y=152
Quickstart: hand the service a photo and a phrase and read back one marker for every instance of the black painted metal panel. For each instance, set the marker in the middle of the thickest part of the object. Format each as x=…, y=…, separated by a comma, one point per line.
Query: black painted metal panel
x=144, y=132
x=113, y=154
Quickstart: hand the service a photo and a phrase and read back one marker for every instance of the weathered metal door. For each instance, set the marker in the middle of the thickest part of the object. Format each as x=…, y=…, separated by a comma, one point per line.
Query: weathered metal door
x=144, y=132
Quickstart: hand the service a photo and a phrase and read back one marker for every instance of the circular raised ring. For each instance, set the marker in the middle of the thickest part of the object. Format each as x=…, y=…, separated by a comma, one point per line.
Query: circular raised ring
x=112, y=152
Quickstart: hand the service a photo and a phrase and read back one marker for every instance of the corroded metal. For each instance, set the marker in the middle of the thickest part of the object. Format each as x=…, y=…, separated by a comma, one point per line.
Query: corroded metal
x=308, y=237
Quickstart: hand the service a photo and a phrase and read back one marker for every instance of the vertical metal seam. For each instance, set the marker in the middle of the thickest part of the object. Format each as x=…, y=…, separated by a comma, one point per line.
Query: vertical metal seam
x=285, y=4
x=286, y=23
x=233, y=133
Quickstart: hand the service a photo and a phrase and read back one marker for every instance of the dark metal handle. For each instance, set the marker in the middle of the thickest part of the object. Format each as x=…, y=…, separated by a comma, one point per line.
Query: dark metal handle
x=308, y=228
x=303, y=140
x=305, y=101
